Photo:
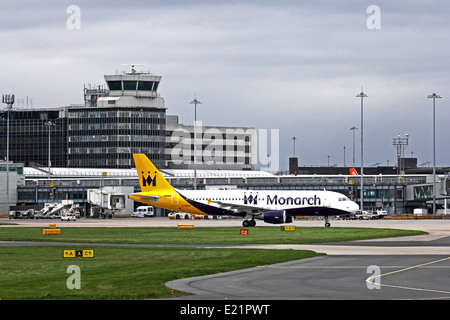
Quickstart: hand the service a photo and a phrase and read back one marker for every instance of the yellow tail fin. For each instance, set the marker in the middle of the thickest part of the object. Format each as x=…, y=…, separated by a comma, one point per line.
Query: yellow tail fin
x=150, y=178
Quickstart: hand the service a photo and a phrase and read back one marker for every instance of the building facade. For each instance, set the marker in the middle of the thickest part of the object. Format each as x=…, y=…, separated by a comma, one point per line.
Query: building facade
x=8, y=192
x=31, y=133
x=107, y=137
x=226, y=148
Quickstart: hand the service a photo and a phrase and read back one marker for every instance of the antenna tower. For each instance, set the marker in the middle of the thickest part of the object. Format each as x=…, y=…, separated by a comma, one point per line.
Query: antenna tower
x=400, y=144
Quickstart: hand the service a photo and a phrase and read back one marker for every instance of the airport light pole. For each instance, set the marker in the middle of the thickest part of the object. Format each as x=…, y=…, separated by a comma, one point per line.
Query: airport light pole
x=362, y=95
x=8, y=99
x=49, y=124
x=195, y=102
x=434, y=96
x=353, y=129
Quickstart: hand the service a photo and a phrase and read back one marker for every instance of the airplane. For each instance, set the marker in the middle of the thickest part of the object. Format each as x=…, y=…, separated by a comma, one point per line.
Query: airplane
x=353, y=172
x=271, y=206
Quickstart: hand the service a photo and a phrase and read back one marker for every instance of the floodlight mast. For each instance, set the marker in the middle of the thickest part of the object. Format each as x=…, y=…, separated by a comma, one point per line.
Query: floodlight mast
x=49, y=124
x=8, y=99
x=195, y=102
x=400, y=144
x=362, y=95
x=353, y=129
x=434, y=96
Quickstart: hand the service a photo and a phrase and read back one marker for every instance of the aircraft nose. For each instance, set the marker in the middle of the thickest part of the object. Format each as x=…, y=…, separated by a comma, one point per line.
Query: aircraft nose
x=354, y=207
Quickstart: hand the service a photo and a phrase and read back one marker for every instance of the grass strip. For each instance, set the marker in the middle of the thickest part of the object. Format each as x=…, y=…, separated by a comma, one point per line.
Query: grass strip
x=30, y=273
x=226, y=235
x=40, y=272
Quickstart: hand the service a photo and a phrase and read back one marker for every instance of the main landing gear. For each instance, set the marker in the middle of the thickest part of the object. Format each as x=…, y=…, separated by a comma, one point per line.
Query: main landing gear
x=249, y=223
x=252, y=223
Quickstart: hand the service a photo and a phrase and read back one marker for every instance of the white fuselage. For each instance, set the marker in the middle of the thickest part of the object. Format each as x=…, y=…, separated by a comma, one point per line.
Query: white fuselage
x=272, y=200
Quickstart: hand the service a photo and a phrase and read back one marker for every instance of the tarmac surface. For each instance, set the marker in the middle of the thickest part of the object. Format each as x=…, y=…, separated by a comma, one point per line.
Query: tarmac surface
x=416, y=267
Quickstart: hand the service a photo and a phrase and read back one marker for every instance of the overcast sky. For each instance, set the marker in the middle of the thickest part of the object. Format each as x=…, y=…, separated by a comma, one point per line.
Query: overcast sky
x=292, y=66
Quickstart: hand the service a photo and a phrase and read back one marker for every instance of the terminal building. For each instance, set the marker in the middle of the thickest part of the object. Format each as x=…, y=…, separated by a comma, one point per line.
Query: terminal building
x=31, y=187
x=60, y=153
x=395, y=194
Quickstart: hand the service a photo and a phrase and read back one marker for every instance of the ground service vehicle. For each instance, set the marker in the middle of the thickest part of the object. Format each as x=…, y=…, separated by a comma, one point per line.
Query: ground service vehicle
x=144, y=211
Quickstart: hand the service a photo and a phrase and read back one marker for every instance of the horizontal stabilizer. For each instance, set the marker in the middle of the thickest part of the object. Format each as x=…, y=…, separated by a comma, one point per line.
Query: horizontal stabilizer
x=149, y=198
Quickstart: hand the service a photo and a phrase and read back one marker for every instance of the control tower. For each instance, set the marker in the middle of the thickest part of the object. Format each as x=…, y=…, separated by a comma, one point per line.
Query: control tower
x=125, y=117
x=133, y=84
x=138, y=89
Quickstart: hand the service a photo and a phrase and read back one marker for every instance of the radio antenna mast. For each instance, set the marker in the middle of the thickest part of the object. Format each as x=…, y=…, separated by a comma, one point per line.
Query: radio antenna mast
x=133, y=71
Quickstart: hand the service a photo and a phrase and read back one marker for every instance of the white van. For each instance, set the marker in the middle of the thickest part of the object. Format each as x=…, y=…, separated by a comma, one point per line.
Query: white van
x=144, y=211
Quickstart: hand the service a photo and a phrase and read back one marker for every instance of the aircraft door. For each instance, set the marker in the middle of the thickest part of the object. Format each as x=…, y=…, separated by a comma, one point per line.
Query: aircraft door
x=174, y=199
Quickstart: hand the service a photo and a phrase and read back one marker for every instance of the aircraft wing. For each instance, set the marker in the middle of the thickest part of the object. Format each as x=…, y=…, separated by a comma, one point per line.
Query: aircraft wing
x=238, y=208
x=151, y=198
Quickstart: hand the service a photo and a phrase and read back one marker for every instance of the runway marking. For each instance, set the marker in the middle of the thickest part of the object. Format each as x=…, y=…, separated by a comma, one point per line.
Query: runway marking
x=348, y=267
x=371, y=278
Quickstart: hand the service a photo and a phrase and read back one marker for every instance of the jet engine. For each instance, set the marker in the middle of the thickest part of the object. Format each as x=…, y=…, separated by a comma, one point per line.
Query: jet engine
x=276, y=216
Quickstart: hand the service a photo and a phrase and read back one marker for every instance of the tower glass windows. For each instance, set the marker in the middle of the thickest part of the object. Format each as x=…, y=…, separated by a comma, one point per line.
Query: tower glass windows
x=115, y=85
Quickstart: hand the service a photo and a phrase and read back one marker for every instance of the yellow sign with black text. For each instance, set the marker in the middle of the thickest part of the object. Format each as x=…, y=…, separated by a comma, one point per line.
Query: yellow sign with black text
x=86, y=253
x=287, y=228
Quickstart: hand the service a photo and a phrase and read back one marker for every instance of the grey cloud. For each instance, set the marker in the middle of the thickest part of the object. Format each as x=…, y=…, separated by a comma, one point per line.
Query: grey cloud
x=291, y=65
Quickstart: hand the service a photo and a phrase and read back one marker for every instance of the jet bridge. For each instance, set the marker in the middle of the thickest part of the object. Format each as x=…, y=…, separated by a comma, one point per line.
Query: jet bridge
x=105, y=202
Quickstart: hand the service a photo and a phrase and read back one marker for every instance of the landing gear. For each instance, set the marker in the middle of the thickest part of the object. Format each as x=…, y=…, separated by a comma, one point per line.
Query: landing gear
x=327, y=223
x=249, y=223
